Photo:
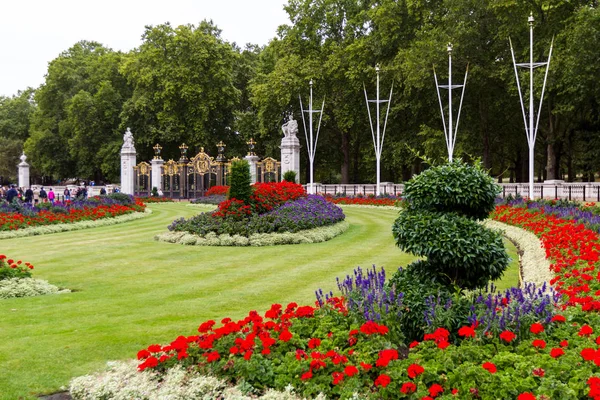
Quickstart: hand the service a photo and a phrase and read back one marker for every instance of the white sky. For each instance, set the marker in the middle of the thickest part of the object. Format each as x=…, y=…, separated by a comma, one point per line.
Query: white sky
x=34, y=32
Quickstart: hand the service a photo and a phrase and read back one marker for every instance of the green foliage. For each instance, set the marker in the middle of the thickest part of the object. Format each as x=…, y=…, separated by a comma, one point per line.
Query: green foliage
x=75, y=129
x=240, y=180
x=154, y=191
x=440, y=223
x=457, y=187
x=121, y=198
x=290, y=176
x=13, y=269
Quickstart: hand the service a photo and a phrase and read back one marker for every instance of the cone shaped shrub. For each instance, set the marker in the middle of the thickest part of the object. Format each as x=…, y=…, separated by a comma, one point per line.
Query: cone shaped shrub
x=240, y=180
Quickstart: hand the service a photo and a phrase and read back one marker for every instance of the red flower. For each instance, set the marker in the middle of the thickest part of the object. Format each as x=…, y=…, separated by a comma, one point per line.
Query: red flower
x=526, y=396
x=143, y=354
x=558, y=318
x=539, y=372
x=536, y=328
x=314, y=343
x=307, y=375
x=507, y=336
x=408, y=387
x=415, y=344
x=586, y=330
x=383, y=380
x=588, y=354
x=435, y=389
x=212, y=356
x=366, y=366
x=564, y=343
x=385, y=356
x=454, y=392
x=414, y=370
x=466, y=331
x=351, y=370
x=556, y=352
x=285, y=336
x=337, y=377
x=490, y=367
x=539, y=343
x=443, y=345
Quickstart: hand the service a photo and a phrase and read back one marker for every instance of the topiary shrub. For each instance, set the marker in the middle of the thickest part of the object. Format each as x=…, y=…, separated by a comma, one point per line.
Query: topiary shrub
x=290, y=176
x=456, y=187
x=240, y=180
x=439, y=222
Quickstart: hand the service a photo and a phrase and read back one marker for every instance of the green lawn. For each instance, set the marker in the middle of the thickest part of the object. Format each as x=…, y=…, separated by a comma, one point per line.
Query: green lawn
x=132, y=291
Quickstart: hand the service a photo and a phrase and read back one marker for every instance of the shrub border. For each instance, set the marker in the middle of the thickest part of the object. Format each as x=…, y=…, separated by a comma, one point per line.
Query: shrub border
x=316, y=235
x=46, y=229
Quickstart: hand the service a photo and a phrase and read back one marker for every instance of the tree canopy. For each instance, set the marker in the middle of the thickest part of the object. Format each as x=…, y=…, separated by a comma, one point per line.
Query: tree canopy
x=187, y=84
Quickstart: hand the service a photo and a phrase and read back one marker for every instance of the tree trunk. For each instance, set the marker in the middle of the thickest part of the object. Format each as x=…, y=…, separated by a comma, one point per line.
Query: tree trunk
x=346, y=158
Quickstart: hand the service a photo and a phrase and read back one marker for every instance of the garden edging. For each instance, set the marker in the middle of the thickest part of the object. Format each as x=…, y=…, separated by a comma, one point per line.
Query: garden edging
x=316, y=235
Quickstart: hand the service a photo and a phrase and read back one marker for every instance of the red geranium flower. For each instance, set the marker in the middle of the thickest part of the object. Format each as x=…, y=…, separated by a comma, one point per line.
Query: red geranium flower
x=539, y=343
x=307, y=375
x=490, y=367
x=558, y=318
x=526, y=396
x=383, y=380
x=586, y=330
x=466, y=331
x=351, y=370
x=507, y=336
x=435, y=389
x=414, y=370
x=366, y=366
x=314, y=343
x=536, y=328
x=556, y=352
x=408, y=387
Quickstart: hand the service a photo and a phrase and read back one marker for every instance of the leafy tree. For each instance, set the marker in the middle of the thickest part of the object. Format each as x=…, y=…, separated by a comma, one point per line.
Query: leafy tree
x=15, y=115
x=75, y=129
x=183, y=88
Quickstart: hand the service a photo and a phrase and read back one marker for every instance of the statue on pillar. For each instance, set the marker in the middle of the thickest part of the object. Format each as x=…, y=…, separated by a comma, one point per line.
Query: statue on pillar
x=128, y=139
x=290, y=128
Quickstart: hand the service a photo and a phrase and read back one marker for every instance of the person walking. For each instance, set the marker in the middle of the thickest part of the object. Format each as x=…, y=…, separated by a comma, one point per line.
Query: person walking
x=67, y=194
x=51, y=196
x=11, y=194
x=43, y=195
x=29, y=195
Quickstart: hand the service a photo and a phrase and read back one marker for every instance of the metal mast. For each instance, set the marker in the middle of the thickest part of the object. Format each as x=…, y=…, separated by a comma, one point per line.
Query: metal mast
x=450, y=132
x=311, y=140
x=531, y=129
x=379, y=138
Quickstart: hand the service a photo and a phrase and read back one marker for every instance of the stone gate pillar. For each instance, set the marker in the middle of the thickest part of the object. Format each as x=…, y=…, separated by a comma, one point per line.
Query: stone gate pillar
x=23, y=172
x=290, y=149
x=157, y=163
x=127, y=163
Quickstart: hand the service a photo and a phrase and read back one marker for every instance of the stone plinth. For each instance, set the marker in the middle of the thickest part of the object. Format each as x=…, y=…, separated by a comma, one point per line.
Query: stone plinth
x=157, y=164
x=290, y=155
x=128, y=161
x=23, y=172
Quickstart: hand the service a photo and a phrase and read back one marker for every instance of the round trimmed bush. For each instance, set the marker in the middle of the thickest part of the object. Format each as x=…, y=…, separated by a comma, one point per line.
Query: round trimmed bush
x=455, y=187
x=440, y=223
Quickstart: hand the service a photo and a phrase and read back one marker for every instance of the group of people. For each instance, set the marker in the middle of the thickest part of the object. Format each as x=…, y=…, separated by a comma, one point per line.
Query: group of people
x=11, y=193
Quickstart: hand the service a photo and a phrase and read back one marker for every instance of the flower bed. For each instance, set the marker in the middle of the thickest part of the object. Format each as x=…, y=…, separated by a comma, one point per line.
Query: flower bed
x=16, y=281
x=153, y=199
x=523, y=344
x=22, y=216
x=235, y=218
x=390, y=201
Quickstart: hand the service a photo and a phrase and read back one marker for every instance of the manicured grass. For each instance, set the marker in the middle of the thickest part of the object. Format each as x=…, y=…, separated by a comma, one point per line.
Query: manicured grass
x=511, y=275
x=133, y=291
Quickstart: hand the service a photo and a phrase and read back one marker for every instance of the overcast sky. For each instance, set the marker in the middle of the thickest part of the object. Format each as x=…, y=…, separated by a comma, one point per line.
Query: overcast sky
x=34, y=32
